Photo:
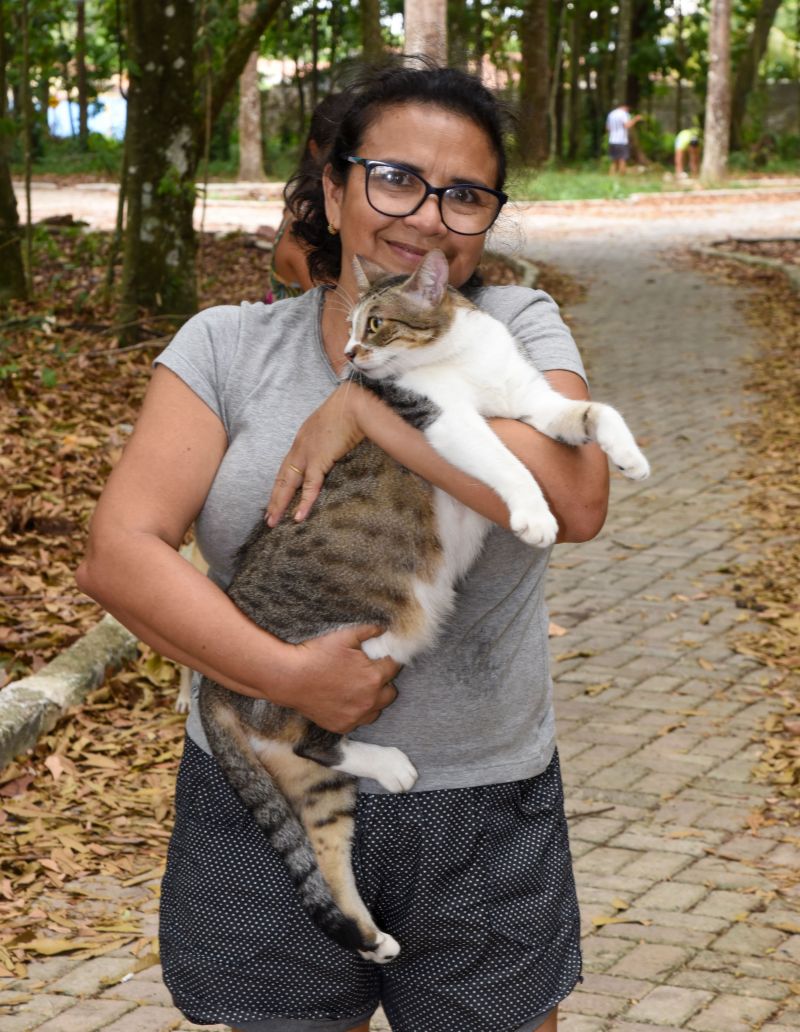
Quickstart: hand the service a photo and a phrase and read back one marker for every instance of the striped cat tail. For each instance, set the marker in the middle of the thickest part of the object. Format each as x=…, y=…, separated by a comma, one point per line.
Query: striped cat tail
x=306, y=813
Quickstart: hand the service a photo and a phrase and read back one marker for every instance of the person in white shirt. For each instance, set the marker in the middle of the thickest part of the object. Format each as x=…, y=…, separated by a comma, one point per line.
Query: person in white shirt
x=618, y=123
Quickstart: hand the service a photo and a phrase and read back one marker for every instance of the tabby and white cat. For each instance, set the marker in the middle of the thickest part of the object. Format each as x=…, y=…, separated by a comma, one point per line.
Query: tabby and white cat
x=381, y=546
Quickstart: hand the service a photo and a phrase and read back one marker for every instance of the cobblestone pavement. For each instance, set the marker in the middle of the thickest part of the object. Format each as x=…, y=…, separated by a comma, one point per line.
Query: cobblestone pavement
x=655, y=709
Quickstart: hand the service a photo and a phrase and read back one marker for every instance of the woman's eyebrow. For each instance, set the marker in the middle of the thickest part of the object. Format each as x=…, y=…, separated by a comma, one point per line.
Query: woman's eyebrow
x=454, y=180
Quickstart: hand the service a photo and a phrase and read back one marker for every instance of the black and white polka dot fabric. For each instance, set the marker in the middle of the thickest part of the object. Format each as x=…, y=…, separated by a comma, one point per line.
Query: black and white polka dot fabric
x=475, y=883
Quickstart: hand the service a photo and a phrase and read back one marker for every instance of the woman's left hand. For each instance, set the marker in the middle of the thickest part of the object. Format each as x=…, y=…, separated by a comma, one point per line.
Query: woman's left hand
x=328, y=434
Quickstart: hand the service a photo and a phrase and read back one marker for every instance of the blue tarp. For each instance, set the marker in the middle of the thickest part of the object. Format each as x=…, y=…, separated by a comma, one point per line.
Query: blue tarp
x=106, y=117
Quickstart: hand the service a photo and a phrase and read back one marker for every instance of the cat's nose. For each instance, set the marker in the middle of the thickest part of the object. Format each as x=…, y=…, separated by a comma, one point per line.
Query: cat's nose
x=354, y=349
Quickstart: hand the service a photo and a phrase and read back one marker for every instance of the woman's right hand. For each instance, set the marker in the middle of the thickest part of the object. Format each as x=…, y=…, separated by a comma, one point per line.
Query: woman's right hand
x=329, y=433
x=337, y=685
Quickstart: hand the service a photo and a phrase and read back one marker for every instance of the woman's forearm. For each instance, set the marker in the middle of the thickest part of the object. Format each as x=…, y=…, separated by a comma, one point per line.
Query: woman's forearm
x=167, y=603
x=574, y=480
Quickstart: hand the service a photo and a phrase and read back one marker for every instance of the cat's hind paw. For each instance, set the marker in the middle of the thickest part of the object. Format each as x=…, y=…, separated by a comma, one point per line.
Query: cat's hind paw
x=395, y=771
x=385, y=764
x=385, y=949
x=537, y=529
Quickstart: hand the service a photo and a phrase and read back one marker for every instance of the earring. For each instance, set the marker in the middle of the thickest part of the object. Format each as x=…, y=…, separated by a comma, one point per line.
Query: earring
x=332, y=229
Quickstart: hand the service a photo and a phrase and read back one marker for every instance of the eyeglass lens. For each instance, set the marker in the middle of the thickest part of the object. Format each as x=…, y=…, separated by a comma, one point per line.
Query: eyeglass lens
x=465, y=209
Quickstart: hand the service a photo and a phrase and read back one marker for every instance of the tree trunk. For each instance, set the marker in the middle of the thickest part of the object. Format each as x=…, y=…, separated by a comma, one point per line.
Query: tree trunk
x=12, y=271
x=314, y=55
x=425, y=25
x=159, y=251
x=622, y=54
x=575, y=43
x=680, y=60
x=251, y=164
x=556, y=93
x=718, y=97
x=747, y=72
x=480, y=40
x=80, y=61
x=371, y=36
x=225, y=80
x=534, y=83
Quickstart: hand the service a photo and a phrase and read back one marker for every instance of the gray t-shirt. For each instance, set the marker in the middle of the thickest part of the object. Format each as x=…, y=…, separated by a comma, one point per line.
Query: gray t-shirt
x=475, y=710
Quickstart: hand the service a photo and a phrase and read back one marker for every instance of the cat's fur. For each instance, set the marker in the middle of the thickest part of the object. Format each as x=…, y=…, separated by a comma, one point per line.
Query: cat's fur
x=382, y=546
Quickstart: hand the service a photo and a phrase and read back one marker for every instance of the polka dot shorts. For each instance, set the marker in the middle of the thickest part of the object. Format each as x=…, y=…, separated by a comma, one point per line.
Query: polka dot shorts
x=475, y=883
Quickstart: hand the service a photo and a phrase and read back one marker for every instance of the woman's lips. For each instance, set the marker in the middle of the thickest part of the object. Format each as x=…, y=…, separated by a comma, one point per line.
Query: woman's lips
x=406, y=251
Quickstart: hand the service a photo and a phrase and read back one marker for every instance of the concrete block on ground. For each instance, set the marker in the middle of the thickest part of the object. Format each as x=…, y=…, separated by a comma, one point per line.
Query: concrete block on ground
x=669, y=1002
x=147, y=1019
x=32, y=705
x=87, y=1016
x=728, y=1013
x=650, y=961
x=89, y=976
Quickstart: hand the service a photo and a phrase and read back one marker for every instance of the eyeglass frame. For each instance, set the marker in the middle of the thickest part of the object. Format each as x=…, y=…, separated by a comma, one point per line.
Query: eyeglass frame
x=438, y=191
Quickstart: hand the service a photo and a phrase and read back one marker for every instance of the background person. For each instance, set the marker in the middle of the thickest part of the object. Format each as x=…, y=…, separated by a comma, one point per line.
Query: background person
x=471, y=871
x=618, y=122
x=289, y=275
x=687, y=142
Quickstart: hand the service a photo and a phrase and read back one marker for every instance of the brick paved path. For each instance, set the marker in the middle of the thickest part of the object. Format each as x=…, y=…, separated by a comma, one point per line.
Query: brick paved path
x=655, y=710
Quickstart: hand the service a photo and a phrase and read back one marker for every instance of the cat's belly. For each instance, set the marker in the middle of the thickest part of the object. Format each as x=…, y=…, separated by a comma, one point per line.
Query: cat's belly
x=461, y=533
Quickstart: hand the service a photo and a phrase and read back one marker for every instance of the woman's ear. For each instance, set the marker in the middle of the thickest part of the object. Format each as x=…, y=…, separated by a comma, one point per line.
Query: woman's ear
x=333, y=198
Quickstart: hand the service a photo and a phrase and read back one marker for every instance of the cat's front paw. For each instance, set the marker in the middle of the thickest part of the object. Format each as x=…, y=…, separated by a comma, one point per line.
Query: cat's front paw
x=536, y=528
x=633, y=465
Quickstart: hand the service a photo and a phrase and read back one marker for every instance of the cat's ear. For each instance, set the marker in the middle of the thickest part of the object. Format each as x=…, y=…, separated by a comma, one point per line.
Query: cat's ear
x=366, y=273
x=428, y=283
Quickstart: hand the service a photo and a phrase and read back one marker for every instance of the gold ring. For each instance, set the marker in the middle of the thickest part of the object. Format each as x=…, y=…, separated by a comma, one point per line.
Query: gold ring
x=298, y=471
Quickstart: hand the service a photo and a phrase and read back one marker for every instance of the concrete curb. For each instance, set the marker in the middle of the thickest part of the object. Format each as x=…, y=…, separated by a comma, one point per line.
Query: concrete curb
x=792, y=272
x=33, y=705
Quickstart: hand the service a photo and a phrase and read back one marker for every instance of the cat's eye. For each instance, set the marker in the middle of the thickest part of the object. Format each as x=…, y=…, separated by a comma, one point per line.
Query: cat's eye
x=374, y=324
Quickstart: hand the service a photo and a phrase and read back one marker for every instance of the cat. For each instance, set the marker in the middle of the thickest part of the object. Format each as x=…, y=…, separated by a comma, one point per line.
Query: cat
x=382, y=546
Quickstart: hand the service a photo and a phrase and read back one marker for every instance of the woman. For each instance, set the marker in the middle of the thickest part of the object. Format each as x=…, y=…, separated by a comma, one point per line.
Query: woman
x=471, y=872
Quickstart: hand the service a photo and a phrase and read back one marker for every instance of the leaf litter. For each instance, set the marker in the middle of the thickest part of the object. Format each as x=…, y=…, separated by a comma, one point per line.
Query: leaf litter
x=86, y=815
x=767, y=585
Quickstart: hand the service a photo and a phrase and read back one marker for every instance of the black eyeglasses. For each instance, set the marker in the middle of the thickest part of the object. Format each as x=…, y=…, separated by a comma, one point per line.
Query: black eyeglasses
x=397, y=191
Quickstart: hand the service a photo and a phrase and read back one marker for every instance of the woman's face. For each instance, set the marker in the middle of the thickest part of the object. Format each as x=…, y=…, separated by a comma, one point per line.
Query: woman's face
x=444, y=148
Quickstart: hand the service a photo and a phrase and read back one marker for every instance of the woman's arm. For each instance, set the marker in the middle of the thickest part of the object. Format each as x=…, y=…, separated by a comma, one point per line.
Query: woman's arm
x=133, y=569
x=574, y=480
x=290, y=260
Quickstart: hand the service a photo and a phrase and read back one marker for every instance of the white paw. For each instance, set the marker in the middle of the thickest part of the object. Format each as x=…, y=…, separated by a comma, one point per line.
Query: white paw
x=383, y=763
x=385, y=949
x=534, y=527
x=633, y=465
x=395, y=771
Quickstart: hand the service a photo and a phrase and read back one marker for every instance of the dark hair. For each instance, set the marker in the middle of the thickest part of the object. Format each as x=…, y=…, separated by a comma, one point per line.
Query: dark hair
x=322, y=131
x=376, y=90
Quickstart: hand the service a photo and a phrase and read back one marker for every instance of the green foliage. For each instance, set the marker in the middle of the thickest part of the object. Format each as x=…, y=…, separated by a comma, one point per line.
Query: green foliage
x=581, y=182
x=65, y=157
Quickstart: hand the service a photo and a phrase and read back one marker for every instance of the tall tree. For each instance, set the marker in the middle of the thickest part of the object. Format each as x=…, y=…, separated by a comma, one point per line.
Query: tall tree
x=12, y=271
x=575, y=54
x=80, y=62
x=534, y=82
x=371, y=36
x=622, y=53
x=159, y=252
x=718, y=95
x=425, y=26
x=163, y=146
x=251, y=162
x=747, y=69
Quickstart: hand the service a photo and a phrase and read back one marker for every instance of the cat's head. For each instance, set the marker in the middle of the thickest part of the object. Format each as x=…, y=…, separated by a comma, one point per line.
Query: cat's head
x=400, y=322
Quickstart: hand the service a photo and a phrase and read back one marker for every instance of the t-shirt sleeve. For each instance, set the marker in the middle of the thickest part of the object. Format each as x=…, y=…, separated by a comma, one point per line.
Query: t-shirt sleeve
x=201, y=353
x=533, y=318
